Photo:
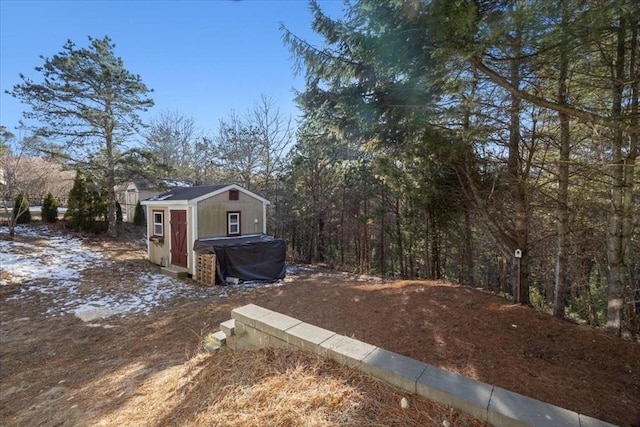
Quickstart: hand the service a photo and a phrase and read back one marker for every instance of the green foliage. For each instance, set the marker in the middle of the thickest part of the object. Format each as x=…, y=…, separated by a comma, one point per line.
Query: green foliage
x=138, y=217
x=70, y=78
x=5, y=138
x=87, y=100
x=538, y=300
x=78, y=204
x=366, y=148
x=99, y=202
x=590, y=306
x=21, y=212
x=87, y=206
x=49, y=209
x=139, y=163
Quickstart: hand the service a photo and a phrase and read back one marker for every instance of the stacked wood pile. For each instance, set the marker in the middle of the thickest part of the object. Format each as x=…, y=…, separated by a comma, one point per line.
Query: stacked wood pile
x=206, y=269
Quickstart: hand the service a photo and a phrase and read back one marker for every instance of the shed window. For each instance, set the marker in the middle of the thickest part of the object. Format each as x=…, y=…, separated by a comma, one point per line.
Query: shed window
x=234, y=195
x=233, y=223
x=158, y=223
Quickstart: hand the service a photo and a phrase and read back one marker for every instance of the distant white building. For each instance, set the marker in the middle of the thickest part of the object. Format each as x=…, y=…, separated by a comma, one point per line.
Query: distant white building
x=140, y=189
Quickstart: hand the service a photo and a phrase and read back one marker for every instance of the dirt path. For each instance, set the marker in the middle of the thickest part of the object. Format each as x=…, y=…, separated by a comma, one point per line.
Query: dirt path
x=62, y=370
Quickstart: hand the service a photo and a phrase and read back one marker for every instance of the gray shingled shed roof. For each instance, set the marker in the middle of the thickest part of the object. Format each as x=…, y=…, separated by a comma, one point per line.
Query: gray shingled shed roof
x=188, y=193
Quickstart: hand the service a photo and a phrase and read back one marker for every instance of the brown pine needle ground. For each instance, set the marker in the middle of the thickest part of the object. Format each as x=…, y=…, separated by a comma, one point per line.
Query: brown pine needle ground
x=144, y=368
x=275, y=387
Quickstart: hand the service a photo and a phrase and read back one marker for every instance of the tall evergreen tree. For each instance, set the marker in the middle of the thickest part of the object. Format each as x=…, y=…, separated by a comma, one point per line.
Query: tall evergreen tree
x=138, y=216
x=49, y=209
x=90, y=102
x=374, y=84
x=506, y=93
x=21, y=212
x=80, y=213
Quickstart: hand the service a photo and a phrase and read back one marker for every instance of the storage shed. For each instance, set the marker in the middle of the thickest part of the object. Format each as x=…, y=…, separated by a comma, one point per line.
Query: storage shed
x=139, y=189
x=182, y=216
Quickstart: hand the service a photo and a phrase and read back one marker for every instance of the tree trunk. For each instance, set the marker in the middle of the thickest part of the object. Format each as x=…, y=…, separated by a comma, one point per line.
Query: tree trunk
x=631, y=179
x=381, y=259
x=562, y=209
x=436, y=258
x=399, y=240
x=427, y=244
x=343, y=241
x=112, y=217
x=11, y=221
x=517, y=185
x=312, y=243
x=321, y=240
x=467, y=257
x=586, y=265
x=622, y=183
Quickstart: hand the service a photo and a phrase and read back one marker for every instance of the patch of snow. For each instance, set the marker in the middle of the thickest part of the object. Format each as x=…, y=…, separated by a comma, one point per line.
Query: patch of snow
x=176, y=183
x=292, y=270
x=255, y=284
x=99, y=325
x=52, y=268
x=38, y=209
x=61, y=258
x=160, y=197
x=32, y=231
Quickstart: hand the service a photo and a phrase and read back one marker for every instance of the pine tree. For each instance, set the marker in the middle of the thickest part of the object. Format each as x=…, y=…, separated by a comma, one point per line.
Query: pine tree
x=49, y=209
x=79, y=212
x=90, y=101
x=21, y=211
x=138, y=216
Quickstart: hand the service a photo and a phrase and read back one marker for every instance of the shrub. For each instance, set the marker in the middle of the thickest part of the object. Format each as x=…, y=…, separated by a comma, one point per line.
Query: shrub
x=87, y=206
x=138, y=217
x=49, y=209
x=79, y=212
x=98, y=202
x=21, y=212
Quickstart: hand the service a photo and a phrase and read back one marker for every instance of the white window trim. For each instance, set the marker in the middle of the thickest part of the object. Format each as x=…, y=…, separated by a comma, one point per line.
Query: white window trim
x=158, y=224
x=230, y=223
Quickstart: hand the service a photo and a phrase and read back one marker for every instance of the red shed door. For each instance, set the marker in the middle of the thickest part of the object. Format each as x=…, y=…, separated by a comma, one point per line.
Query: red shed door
x=179, y=238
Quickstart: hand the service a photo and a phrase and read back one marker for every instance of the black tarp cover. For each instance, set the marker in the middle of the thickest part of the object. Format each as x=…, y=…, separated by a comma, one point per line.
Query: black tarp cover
x=251, y=257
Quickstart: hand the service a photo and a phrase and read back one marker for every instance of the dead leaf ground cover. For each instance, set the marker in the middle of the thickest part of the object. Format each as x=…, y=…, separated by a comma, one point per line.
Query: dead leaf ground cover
x=147, y=368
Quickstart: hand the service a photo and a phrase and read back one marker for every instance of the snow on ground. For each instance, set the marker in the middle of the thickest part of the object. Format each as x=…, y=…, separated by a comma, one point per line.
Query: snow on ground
x=51, y=268
x=60, y=259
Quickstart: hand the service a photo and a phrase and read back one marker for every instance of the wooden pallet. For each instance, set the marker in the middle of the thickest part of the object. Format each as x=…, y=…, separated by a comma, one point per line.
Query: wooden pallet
x=206, y=269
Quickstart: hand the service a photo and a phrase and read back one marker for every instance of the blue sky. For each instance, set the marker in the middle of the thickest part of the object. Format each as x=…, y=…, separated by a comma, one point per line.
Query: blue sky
x=203, y=58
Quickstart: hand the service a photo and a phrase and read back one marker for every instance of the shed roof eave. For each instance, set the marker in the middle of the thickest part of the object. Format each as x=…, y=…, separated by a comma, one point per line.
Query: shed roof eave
x=227, y=188
x=195, y=200
x=164, y=202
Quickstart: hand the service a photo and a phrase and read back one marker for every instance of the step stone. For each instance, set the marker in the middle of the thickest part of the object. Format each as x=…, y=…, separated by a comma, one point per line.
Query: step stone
x=228, y=327
x=219, y=338
x=249, y=313
x=211, y=347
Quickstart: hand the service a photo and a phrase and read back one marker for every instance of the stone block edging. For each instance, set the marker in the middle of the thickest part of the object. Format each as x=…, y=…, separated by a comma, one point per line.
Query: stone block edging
x=255, y=326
